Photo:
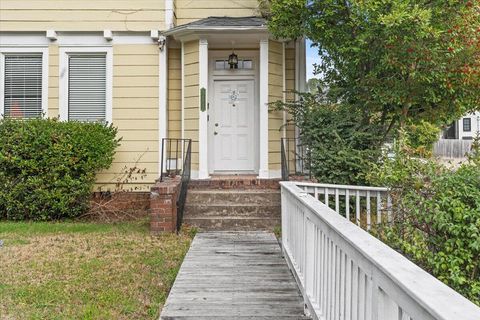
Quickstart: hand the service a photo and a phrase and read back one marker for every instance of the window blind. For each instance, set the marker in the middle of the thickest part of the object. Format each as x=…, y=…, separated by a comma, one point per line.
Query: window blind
x=23, y=85
x=87, y=87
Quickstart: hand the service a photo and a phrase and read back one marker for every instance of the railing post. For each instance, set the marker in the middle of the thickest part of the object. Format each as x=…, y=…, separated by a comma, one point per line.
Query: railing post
x=162, y=161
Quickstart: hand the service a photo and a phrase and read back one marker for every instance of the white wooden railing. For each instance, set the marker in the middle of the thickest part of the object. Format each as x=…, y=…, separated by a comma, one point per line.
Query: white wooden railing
x=366, y=201
x=345, y=273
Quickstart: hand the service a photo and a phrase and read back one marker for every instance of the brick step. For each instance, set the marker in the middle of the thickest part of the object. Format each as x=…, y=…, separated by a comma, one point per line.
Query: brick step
x=237, y=203
x=233, y=210
x=234, y=197
x=221, y=223
x=234, y=183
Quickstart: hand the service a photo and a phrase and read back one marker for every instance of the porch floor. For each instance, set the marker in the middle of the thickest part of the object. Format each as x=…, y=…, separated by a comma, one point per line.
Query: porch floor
x=234, y=275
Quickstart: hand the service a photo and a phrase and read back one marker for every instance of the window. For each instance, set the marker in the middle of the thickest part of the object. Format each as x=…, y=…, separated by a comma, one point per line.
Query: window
x=87, y=87
x=451, y=131
x=245, y=64
x=86, y=84
x=23, y=84
x=467, y=124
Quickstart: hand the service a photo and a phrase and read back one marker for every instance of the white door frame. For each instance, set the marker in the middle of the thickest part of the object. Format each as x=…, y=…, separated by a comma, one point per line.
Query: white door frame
x=226, y=75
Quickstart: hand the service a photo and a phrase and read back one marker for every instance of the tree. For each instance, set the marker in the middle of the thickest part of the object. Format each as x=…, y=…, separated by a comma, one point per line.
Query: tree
x=313, y=84
x=397, y=60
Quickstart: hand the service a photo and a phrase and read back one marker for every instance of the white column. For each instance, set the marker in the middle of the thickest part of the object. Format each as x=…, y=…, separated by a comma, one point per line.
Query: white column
x=162, y=101
x=302, y=65
x=263, y=170
x=203, y=115
x=284, y=98
x=300, y=76
x=182, y=58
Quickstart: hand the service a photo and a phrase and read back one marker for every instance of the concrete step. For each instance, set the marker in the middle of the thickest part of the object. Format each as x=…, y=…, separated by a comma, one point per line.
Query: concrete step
x=234, y=197
x=216, y=223
x=232, y=210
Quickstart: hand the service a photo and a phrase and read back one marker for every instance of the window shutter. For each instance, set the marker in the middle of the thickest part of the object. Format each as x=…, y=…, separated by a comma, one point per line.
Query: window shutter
x=23, y=85
x=87, y=87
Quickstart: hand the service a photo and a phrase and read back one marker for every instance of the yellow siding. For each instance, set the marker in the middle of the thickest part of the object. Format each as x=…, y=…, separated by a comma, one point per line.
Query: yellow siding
x=191, y=96
x=290, y=84
x=174, y=93
x=135, y=113
x=191, y=10
x=81, y=15
x=275, y=93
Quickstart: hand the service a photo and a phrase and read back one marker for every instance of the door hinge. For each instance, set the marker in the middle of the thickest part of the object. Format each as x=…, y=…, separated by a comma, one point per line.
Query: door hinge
x=208, y=117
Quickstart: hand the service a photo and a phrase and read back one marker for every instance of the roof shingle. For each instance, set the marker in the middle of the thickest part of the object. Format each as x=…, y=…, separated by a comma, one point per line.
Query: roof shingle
x=229, y=22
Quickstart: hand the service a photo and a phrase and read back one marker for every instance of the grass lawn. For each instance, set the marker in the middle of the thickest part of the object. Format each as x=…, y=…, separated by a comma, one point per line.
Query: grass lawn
x=77, y=270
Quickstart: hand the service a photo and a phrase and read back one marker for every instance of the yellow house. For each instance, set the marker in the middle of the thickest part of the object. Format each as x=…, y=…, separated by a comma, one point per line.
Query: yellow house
x=155, y=69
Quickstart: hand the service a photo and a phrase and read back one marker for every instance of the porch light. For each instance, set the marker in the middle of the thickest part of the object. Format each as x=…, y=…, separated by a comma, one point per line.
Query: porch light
x=233, y=61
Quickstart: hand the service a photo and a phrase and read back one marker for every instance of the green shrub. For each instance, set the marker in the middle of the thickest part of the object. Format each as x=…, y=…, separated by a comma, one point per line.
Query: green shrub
x=48, y=167
x=437, y=220
x=421, y=136
x=342, y=140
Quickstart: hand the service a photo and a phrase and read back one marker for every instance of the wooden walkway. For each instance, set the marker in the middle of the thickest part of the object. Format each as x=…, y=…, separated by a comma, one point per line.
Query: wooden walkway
x=234, y=275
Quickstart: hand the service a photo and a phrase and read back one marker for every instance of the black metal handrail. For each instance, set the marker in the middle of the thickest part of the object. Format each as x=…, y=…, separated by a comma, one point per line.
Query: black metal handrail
x=174, y=153
x=182, y=195
x=176, y=161
x=284, y=161
x=295, y=159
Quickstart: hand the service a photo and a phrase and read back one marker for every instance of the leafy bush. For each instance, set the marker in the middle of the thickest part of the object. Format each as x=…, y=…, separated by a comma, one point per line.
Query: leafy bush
x=437, y=221
x=342, y=140
x=422, y=136
x=48, y=167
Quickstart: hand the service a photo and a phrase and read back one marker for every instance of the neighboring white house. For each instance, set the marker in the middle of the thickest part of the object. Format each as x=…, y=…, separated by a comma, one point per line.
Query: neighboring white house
x=466, y=128
x=456, y=141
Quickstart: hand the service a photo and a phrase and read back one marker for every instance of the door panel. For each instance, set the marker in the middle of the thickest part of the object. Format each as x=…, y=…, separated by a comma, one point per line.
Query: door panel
x=233, y=121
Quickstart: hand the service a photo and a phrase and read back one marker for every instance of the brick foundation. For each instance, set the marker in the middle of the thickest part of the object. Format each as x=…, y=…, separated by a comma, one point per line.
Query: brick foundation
x=163, y=206
x=119, y=206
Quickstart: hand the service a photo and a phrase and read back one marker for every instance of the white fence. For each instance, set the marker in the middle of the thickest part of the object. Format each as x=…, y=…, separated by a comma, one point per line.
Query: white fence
x=345, y=273
x=365, y=200
x=452, y=148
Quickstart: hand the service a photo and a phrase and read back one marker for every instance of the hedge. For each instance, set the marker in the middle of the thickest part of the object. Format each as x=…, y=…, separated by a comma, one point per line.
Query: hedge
x=48, y=167
x=437, y=221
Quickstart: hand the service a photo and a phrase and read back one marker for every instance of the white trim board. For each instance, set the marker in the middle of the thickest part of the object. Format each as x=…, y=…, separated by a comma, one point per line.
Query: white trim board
x=263, y=171
x=182, y=61
x=74, y=38
x=162, y=102
x=63, y=78
x=203, y=115
x=45, y=53
x=169, y=14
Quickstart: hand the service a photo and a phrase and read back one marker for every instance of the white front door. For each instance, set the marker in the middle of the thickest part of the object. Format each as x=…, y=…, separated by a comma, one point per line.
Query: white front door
x=233, y=126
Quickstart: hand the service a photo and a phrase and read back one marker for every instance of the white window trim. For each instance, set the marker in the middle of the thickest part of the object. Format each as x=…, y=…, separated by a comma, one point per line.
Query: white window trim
x=63, y=78
x=44, y=52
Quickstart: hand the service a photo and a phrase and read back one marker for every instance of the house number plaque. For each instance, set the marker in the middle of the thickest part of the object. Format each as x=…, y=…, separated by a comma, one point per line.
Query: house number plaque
x=233, y=97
